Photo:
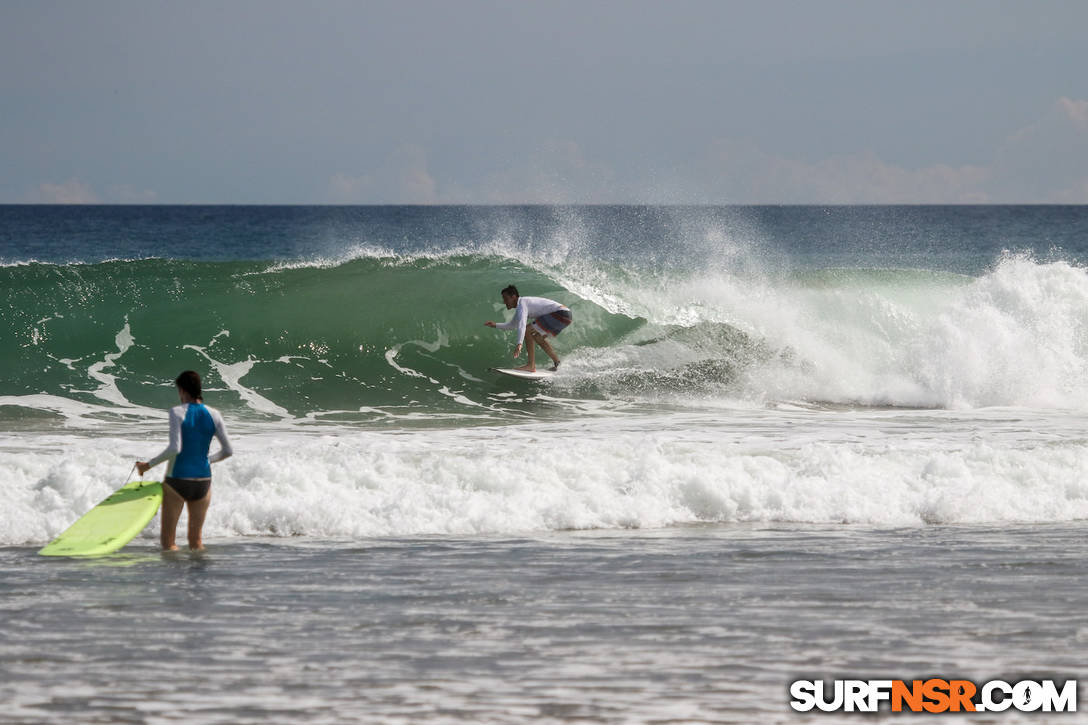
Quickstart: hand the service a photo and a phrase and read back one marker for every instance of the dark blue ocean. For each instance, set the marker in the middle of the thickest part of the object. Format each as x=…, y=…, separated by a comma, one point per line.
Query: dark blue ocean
x=784, y=442
x=963, y=239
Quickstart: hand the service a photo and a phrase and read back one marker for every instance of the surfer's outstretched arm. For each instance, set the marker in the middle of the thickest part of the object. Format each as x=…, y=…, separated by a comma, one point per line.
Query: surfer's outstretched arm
x=518, y=322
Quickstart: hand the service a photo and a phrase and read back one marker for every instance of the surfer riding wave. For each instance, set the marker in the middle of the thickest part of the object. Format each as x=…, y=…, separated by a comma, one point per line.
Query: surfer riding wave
x=549, y=319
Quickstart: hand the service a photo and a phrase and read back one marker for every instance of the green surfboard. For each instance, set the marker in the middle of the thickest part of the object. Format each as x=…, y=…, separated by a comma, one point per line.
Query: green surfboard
x=111, y=524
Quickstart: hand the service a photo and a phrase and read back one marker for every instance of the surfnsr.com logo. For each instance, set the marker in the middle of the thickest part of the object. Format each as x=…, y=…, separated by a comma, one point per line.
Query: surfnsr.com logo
x=933, y=695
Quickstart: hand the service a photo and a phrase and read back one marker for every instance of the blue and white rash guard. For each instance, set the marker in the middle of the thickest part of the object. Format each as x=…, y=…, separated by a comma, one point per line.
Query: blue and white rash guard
x=192, y=427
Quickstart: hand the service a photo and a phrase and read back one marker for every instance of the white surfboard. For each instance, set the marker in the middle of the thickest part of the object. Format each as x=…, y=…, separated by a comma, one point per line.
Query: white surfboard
x=540, y=374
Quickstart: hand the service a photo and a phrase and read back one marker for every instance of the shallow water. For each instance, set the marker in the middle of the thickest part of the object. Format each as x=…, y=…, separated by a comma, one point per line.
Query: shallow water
x=691, y=624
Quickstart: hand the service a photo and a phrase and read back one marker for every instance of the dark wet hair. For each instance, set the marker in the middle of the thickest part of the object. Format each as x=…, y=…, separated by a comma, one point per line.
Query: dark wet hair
x=510, y=291
x=189, y=381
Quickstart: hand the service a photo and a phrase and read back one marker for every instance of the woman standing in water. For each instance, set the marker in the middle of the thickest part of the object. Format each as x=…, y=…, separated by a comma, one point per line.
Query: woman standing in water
x=188, y=478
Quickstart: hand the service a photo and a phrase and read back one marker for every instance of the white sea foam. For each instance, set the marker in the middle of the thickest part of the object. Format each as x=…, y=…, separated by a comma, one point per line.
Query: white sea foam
x=360, y=251
x=1017, y=335
x=72, y=262
x=442, y=341
x=76, y=414
x=232, y=374
x=888, y=469
x=108, y=389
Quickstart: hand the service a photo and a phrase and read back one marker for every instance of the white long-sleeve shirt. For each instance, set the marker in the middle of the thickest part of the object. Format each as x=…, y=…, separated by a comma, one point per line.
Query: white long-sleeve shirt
x=529, y=307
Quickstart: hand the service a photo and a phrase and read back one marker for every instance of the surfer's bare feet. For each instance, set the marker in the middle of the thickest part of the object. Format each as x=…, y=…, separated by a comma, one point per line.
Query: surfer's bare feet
x=528, y=368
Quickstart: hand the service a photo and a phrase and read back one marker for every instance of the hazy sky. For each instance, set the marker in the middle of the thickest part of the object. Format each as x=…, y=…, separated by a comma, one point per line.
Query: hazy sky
x=582, y=101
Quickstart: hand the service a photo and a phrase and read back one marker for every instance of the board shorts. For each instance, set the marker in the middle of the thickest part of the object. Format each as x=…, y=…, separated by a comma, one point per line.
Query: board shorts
x=552, y=323
x=190, y=489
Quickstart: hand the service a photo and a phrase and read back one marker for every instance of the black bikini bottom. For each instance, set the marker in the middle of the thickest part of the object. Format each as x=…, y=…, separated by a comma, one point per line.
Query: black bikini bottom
x=190, y=489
